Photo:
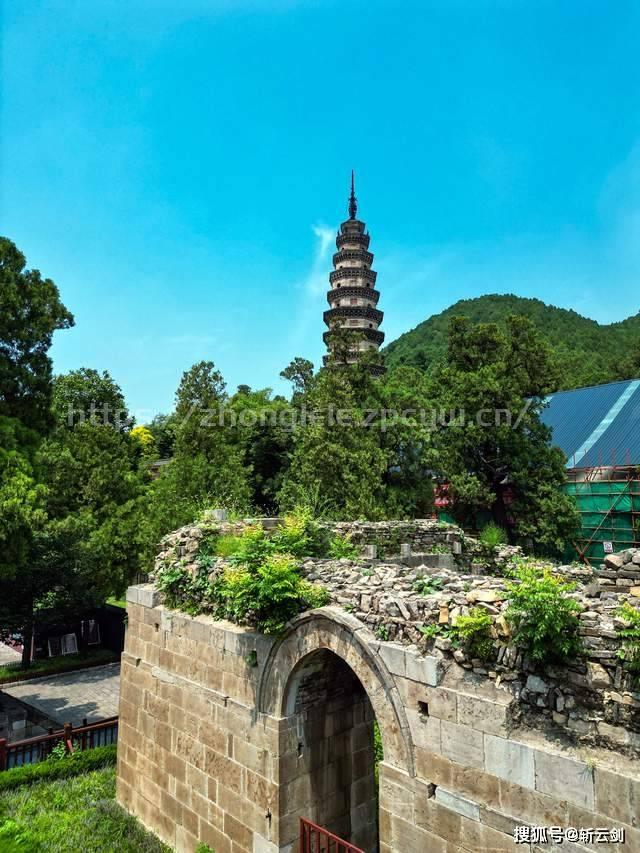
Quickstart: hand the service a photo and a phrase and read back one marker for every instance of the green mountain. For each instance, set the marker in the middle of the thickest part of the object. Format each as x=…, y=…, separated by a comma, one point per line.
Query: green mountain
x=589, y=353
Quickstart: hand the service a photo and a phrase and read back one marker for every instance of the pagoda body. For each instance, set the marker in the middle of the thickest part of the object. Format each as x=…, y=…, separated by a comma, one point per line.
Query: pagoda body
x=353, y=297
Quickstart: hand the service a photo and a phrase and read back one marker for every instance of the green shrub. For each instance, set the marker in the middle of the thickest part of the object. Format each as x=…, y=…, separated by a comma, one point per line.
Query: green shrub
x=378, y=753
x=543, y=619
x=253, y=548
x=341, y=547
x=228, y=545
x=183, y=591
x=427, y=586
x=492, y=535
x=301, y=535
x=267, y=596
x=439, y=549
x=382, y=632
x=430, y=631
x=263, y=586
x=474, y=633
x=630, y=634
x=73, y=765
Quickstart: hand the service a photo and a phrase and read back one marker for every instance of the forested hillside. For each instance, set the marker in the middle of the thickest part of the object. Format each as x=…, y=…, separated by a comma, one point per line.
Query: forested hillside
x=589, y=353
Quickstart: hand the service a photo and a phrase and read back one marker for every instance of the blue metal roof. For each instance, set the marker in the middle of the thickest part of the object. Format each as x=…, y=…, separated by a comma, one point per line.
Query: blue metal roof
x=598, y=425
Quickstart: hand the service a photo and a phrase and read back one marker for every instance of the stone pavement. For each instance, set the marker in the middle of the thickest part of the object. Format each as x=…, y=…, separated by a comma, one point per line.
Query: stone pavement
x=8, y=654
x=68, y=698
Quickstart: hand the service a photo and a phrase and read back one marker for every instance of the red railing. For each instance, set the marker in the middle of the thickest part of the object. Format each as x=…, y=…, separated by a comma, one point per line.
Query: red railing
x=34, y=749
x=315, y=839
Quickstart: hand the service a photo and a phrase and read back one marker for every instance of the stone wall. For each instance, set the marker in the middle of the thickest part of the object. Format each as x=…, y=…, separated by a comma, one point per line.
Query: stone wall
x=593, y=698
x=223, y=739
x=421, y=534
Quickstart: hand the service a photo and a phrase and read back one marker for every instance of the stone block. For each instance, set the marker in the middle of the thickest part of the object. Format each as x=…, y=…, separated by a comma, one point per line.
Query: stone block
x=425, y=731
x=394, y=657
x=396, y=799
x=425, y=670
x=408, y=837
x=484, y=714
x=462, y=744
x=478, y=836
x=434, y=817
x=212, y=836
x=148, y=595
x=618, y=796
x=443, y=703
x=509, y=760
x=565, y=778
x=261, y=845
x=239, y=834
x=498, y=820
x=456, y=803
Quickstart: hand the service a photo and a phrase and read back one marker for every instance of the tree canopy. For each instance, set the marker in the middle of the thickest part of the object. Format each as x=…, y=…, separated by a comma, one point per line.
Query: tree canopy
x=30, y=312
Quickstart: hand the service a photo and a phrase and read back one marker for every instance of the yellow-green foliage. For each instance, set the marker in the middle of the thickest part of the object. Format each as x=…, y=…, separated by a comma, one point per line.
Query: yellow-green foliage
x=474, y=633
x=341, y=547
x=228, y=545
x=268, y=595
x=143, y=436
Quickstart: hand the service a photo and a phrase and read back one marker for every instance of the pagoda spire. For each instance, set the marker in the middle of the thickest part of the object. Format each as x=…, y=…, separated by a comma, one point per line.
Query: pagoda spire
x=353, y=201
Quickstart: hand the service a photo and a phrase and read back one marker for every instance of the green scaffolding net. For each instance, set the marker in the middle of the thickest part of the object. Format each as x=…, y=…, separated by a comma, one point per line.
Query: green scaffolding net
x=610, y=516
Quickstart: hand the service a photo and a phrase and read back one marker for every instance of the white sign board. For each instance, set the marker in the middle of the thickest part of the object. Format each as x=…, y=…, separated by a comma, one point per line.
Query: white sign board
x=608, y=547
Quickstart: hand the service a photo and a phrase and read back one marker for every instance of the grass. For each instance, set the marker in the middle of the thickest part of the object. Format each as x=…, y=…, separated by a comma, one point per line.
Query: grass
x=53, y=666
x=66, y=815
x=53, y=770
x=117, y=602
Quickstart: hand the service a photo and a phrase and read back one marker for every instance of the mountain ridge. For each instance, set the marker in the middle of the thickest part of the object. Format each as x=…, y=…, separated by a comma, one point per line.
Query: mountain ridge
x=589, y=353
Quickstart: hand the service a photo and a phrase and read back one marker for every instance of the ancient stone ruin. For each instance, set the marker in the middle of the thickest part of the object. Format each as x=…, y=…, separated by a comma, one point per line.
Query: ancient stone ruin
x=229, y=737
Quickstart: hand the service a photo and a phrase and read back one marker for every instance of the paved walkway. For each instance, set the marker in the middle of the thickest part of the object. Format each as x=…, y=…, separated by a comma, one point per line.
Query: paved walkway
x=8, y=654
x=68, y=698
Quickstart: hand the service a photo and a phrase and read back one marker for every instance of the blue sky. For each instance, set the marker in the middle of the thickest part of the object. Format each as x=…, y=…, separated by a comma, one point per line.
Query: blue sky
x=179, y=167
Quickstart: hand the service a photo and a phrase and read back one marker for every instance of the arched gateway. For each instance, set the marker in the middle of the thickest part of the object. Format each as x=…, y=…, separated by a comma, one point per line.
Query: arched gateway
x=326, y=681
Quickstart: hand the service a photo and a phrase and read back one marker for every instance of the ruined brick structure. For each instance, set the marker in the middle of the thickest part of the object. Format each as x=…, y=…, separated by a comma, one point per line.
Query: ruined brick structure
x=228, y=737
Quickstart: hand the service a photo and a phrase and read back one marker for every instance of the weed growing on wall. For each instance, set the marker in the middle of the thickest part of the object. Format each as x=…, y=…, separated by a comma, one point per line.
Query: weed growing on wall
x=543, y=618
x=630, y=635
x=474, y=633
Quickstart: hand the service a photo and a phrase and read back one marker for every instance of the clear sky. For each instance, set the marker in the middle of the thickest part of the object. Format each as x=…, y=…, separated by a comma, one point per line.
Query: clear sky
x=179, y=167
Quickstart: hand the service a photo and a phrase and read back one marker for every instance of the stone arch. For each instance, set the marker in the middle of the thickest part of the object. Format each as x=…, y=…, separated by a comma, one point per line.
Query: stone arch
x=341, y=633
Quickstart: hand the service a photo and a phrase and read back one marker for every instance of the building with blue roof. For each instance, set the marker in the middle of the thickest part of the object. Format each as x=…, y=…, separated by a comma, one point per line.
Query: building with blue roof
x=598, y=429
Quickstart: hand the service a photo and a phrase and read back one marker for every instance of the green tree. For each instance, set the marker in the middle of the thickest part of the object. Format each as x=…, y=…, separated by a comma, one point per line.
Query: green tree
x=629, y=366
x=406, y=439
x=300, y=373
x=262, y=432
x=337, y=461
x=22, y=516
x=30, y=312
x=86, y=394
x=163, y=429
x=207, y=466
x=92, y=542
x=491, y=444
